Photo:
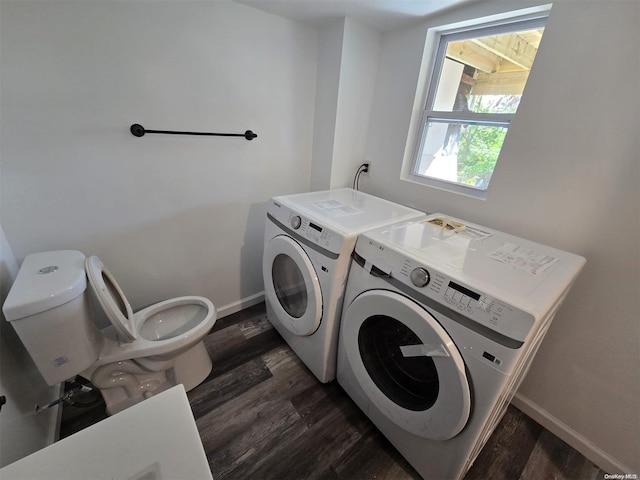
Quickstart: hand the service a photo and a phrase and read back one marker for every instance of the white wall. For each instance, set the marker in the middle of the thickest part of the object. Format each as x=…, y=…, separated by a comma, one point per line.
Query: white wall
x=169, y=215
x=360, y=54
x=330, y=41
x=568, y=177
x=22, y=430
x=347, y=69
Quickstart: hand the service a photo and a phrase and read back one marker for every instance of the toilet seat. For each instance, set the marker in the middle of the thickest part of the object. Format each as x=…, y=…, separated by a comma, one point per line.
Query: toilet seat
x=195, y=315
x=111, y=298
x=159, y=350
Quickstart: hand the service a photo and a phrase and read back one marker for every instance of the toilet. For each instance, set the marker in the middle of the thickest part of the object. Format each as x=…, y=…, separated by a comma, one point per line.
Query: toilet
x=54, y=311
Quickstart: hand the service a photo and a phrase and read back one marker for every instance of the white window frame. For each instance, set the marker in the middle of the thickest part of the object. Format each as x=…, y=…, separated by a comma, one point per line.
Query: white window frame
x=439, y=37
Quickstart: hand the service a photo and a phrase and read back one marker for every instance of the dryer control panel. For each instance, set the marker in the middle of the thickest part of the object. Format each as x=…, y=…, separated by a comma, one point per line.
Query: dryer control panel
x=305, y=229
x=459, y=297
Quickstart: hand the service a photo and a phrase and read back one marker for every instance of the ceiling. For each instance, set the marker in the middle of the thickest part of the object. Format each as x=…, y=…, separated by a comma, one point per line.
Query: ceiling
x=382, y=15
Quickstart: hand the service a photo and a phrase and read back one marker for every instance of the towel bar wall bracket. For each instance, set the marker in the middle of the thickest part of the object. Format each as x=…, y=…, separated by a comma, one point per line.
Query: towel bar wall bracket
x=138, y=131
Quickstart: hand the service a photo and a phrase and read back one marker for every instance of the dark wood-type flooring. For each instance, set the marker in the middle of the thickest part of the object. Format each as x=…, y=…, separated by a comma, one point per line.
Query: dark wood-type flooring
x=262, y=415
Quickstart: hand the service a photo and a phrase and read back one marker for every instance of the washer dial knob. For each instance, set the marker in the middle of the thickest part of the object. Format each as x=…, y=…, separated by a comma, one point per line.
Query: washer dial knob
x=296, y=222
x=420, y=277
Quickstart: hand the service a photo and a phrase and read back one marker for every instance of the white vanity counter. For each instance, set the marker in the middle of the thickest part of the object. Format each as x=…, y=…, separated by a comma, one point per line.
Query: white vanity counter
x=155, y=439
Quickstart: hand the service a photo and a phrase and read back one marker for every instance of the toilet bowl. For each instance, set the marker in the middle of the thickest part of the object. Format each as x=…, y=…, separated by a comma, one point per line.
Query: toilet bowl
x=139, y=354
x=148, y=344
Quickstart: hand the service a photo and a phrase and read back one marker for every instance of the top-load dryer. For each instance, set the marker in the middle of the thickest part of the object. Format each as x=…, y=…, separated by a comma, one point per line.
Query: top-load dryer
x=441, y=321
x=309, y=239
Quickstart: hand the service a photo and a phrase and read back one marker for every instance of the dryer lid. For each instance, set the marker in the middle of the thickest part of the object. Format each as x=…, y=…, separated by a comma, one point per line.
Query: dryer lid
x=111, y=298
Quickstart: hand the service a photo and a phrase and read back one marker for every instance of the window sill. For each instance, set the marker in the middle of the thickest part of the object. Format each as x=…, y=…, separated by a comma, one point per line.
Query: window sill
x=451, y=187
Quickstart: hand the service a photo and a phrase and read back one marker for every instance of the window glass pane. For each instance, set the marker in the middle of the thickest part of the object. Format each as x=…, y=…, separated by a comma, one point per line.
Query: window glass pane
x=479, y=146
x=461, y=153
x=486, y=74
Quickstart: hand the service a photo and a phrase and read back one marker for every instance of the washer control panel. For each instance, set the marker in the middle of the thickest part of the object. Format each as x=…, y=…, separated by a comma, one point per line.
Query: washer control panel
x=476, y=305
x=420, y=277
x=298, y=224
x=295, y=222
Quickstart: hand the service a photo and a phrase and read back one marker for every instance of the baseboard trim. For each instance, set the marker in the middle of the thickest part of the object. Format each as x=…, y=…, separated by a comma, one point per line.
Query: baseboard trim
x=241, y=304
x=565, y=433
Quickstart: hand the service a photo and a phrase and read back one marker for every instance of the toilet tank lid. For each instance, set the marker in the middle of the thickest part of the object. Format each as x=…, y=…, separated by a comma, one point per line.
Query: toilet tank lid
x=45, y=280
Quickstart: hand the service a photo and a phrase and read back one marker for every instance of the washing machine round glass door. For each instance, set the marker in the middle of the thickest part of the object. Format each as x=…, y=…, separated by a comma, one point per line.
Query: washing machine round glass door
x=407, y=364
x=291, y=285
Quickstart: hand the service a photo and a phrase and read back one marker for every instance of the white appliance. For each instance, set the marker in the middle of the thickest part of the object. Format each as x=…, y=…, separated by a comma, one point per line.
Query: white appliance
x=441, y=321
x=137, y=356
x=309, y=238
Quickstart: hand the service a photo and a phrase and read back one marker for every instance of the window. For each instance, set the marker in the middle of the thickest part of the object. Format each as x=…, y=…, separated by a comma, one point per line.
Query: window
x=478, y=78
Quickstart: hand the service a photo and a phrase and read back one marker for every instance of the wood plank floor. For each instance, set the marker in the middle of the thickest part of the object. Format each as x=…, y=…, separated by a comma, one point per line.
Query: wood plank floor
x=262, y=415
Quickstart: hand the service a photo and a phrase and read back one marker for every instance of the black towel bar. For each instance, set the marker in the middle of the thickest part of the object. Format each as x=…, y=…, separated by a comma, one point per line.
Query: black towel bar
x=138, y=130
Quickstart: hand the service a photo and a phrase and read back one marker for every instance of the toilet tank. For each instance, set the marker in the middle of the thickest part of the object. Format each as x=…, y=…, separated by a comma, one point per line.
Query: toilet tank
x=49, y=310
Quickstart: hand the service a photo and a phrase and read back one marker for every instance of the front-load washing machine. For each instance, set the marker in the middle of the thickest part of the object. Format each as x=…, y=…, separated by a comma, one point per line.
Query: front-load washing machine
x=309, y=238
x=440, y=323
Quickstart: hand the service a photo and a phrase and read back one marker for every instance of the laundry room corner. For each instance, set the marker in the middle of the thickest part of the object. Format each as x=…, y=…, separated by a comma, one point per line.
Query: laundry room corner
x=348, y=55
